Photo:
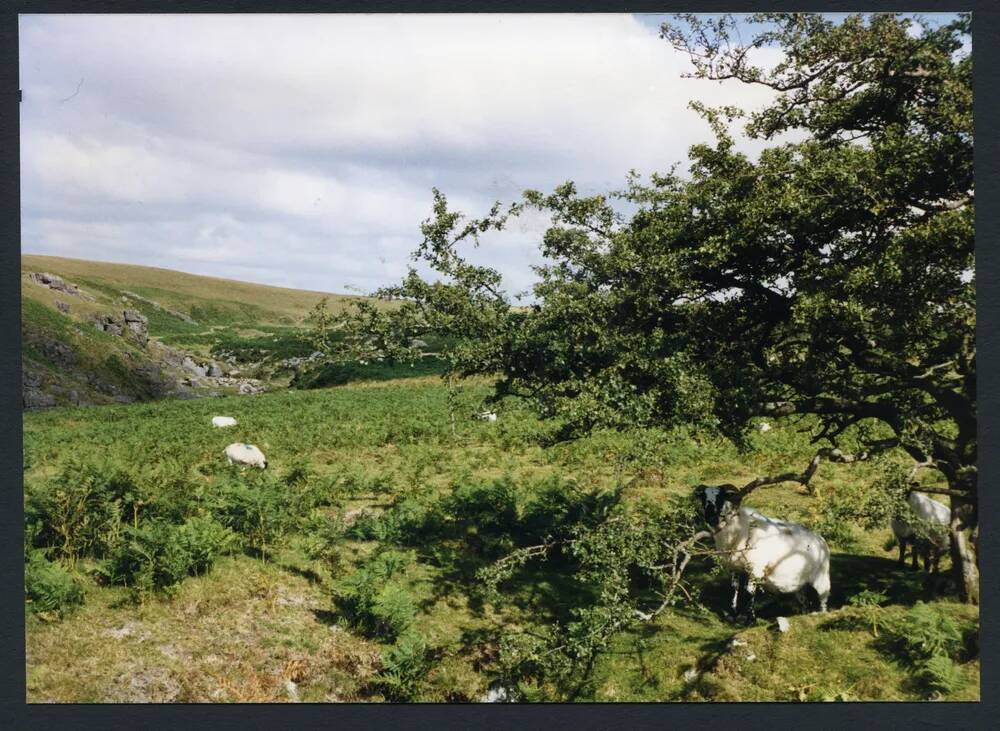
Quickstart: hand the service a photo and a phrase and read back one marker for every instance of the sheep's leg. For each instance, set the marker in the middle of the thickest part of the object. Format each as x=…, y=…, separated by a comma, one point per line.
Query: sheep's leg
x=902, y=553
x=822, y=587
x=736, y=580
x=751, y=589
x=803, y=600
x=823, y=597
x=915, y=555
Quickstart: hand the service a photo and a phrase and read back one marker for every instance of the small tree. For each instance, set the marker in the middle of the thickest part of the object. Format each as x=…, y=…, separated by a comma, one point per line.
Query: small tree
x=833, y=276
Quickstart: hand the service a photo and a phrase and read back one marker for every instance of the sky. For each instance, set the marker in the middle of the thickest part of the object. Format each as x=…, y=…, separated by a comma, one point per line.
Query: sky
x=301, y=150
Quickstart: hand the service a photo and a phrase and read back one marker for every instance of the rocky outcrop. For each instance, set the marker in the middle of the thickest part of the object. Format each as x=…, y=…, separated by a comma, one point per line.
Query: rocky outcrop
x=56, y=352
x=137, y=323
x=248, y=388
x=32, y=394
x=131, y=323
x=195, y=368
x=109, y=324
x=59, y=285
x=62, y=307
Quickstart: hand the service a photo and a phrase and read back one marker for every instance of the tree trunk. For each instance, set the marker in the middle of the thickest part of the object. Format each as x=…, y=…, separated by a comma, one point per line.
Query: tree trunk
x=964, y=563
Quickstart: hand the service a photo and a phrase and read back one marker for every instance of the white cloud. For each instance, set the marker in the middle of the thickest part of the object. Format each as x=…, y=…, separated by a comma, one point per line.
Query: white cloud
x=309, y=144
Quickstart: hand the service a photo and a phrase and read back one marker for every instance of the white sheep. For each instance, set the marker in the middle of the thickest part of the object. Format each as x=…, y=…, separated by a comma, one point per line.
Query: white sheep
x=487, y=416
x=223, y=421
x=764, y=427
x=931, y=547
x=780, y=557
x=246, y=454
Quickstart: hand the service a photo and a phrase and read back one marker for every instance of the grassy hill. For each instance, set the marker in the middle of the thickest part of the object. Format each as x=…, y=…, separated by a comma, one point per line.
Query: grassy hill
x=254, y=328
x=208, y=299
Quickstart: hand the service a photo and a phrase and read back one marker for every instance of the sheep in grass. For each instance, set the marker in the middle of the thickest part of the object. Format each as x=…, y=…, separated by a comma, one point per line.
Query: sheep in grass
x=486, y=416
x=223, y=421
x=780, y=557
x=245, y=454
x=925, y=531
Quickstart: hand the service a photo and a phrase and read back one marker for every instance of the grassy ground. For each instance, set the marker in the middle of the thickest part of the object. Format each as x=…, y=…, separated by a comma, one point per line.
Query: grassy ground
x=251, y=629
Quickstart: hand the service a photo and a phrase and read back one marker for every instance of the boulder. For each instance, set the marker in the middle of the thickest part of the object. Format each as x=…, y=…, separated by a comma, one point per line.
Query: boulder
x=57, y=352
x=38, y=399
x=62, y=306
x=109, y=324
x=137, y=323
x=58, y=284
x=189, y=364
x=214, y=370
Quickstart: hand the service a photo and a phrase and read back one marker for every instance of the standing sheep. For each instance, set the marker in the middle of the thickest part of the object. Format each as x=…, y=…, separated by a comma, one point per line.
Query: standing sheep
x=930, y=544
x=246, y=454
x=781, y=557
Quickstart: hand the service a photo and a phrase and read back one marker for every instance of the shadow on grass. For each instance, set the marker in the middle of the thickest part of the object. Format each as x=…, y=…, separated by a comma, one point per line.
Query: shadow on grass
x=327, y=617
x=306, y=573
x=850, y=574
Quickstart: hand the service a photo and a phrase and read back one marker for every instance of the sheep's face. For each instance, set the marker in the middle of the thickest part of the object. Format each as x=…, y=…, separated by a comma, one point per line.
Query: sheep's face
x=717, y=502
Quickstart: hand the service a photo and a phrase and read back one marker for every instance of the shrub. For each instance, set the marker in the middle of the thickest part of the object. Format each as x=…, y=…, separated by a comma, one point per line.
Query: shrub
x=157, y=556
x=373, y=602
x=48, y=587
x=79, y=512
x=412, y=520
x=256, y=509
x=938, y=674
x=557, y=505
x=924, y=632
x=928, y=640
x=205, y=540
x=404, y=666
x=870, y=605
x=323, y=535
x=153, y=557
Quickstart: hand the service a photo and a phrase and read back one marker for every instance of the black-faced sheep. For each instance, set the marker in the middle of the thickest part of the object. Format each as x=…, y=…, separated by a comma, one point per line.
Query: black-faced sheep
x=780, y=557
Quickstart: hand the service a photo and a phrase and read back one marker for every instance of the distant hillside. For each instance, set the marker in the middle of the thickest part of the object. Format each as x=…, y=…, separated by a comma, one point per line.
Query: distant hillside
x=192, y=294
x=96, y=332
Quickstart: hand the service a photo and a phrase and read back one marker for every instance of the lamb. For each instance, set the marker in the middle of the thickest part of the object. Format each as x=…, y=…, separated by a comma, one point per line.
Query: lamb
x=223, y=421
x=930, y=544
x=246, y=454
x=760, y=551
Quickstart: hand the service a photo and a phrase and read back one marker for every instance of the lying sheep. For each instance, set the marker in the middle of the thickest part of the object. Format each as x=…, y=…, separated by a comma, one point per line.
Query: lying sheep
x=930, y=544
x=781, y=557
x=486, y=416
x=765, y=427
x=246, y=454
x=223, y=421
